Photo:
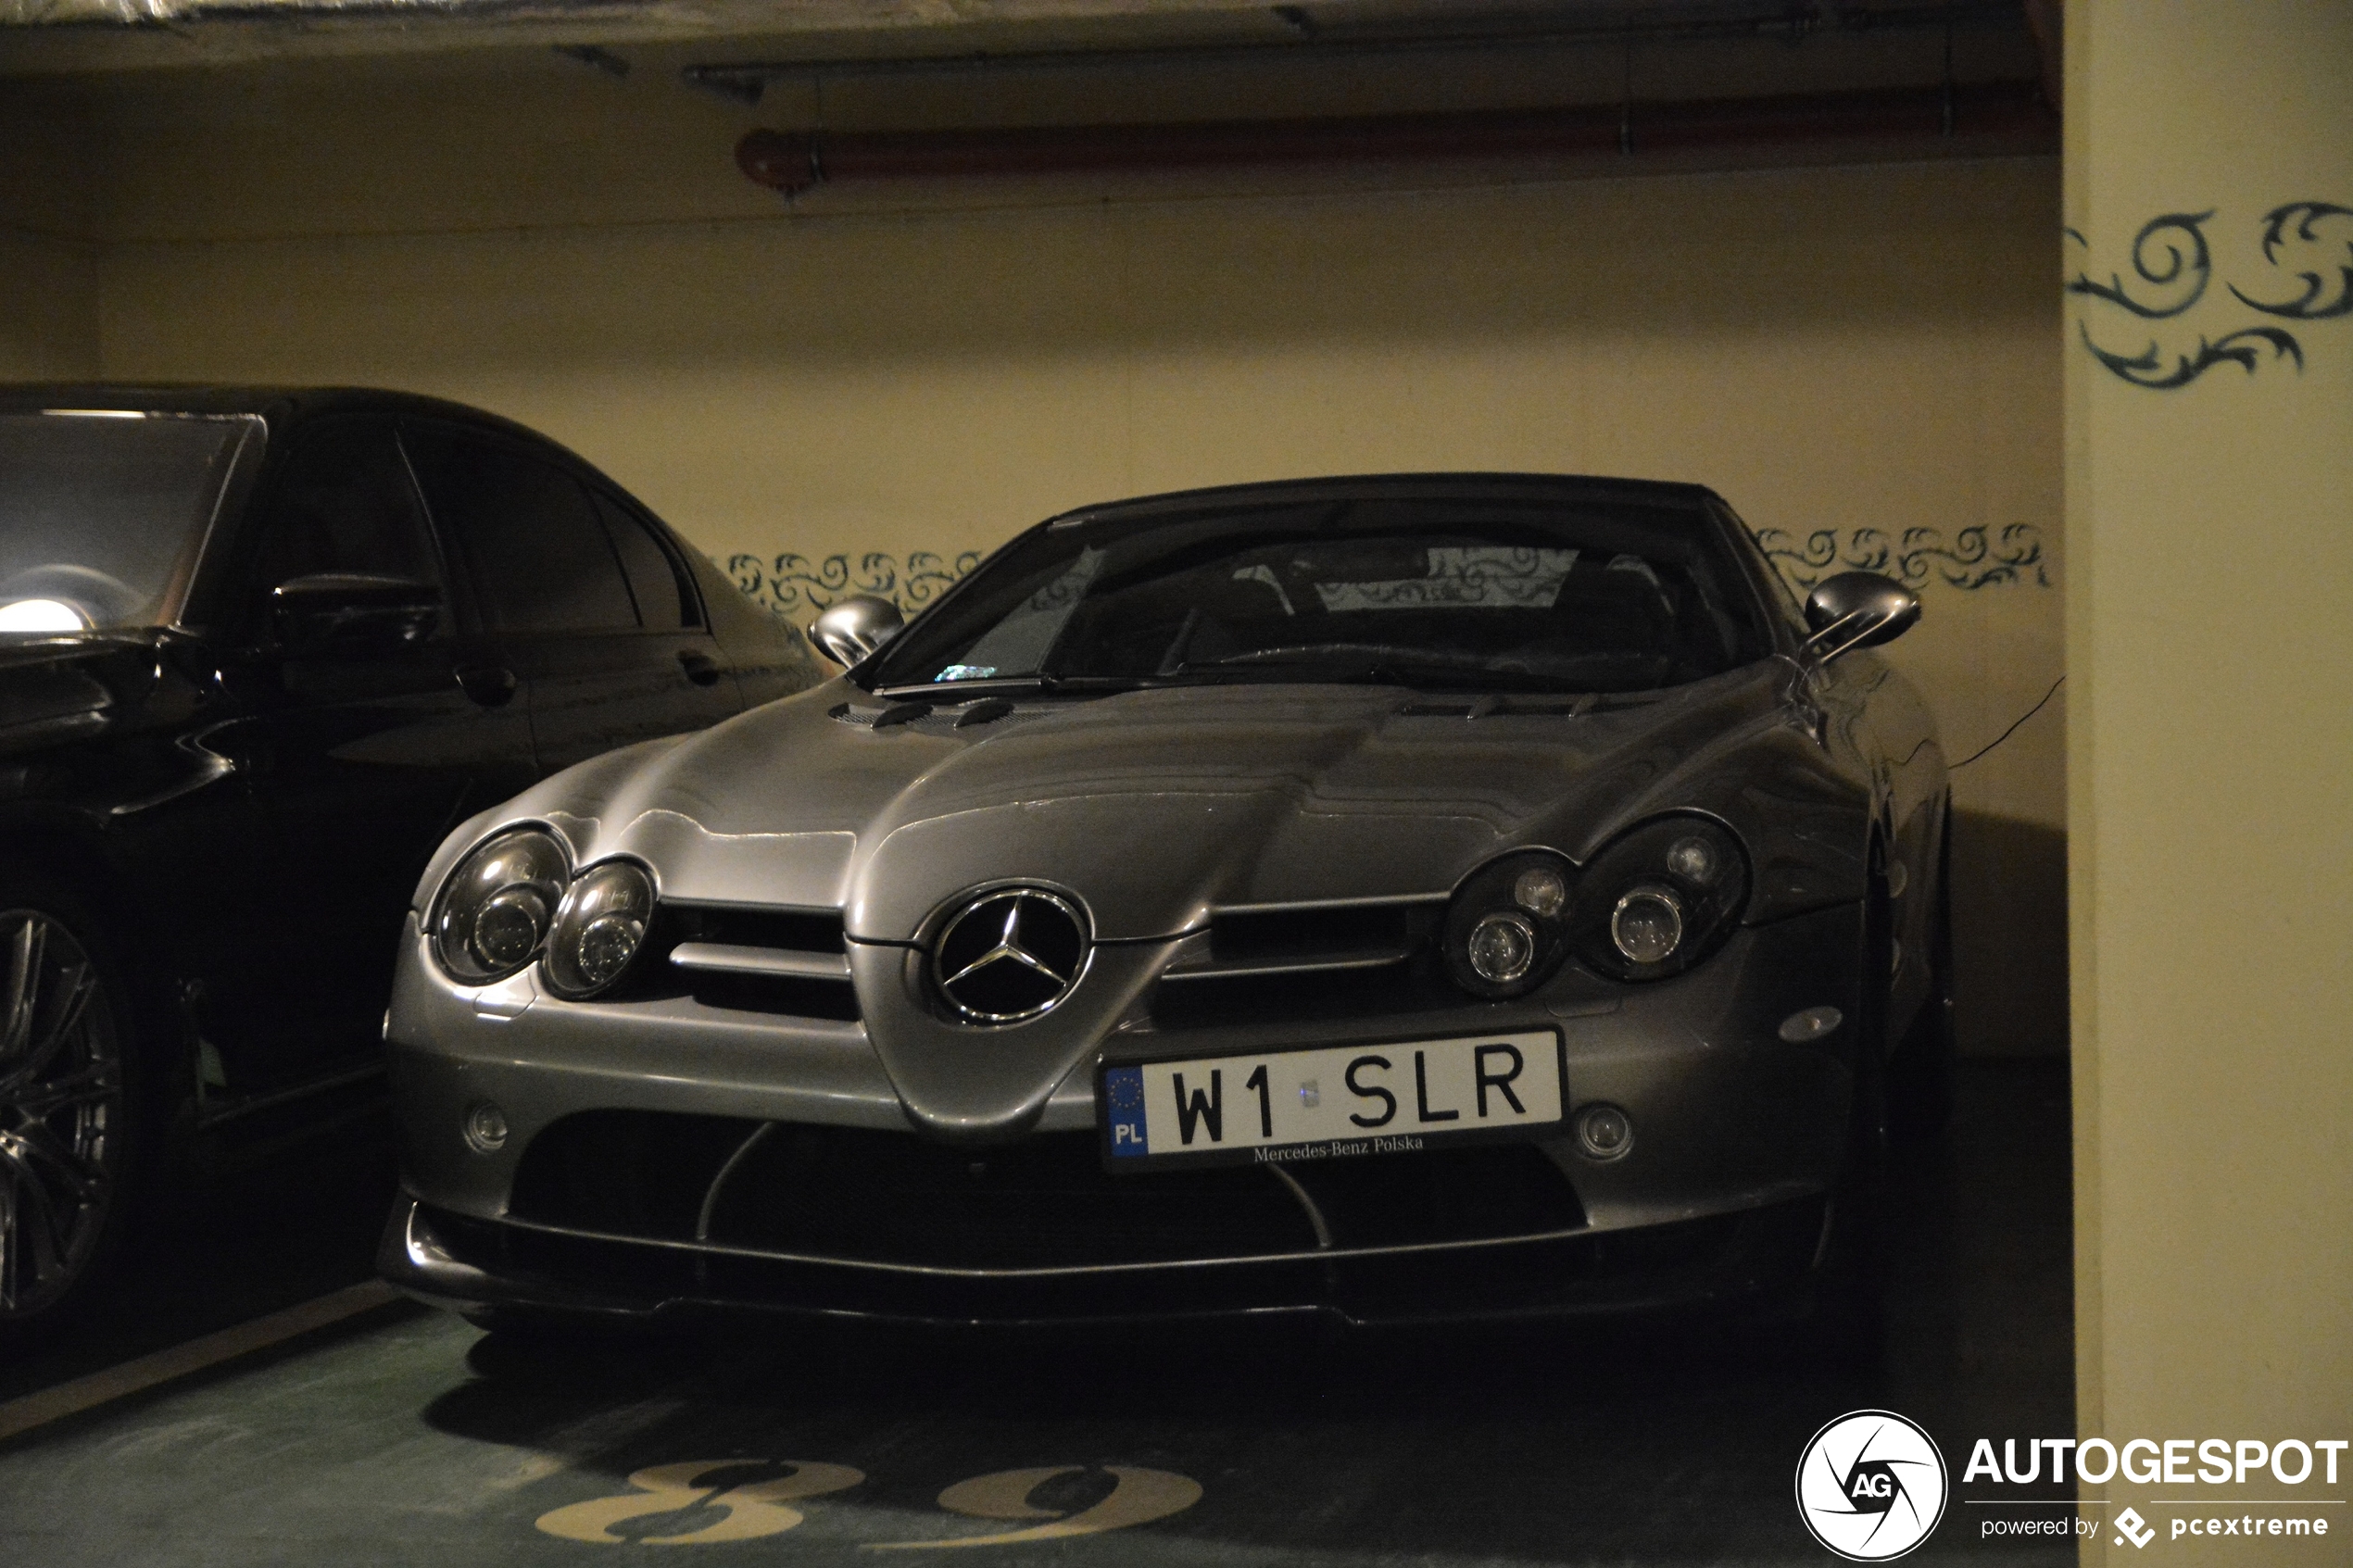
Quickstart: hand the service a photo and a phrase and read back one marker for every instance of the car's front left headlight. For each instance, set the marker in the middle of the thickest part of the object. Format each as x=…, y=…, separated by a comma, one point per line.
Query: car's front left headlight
x=497, y=907
x=1659, y=897
x=599, y=929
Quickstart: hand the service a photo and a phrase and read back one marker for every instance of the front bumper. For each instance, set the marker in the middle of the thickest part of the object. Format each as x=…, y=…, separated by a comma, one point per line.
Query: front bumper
x=663, y=1157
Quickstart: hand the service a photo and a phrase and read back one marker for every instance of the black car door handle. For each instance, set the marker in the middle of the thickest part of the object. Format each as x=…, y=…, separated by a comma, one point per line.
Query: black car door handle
x=700, y=668
x=489, y=684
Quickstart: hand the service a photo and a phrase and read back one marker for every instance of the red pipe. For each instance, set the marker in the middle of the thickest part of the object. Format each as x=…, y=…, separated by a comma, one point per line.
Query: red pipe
x=2008, y=112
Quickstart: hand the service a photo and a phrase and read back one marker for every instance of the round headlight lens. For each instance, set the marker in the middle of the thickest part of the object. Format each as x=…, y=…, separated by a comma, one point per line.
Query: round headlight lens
x=1647, y=925
x=496, y=908
x=1541, y=891
x=599, y=929
x=1501, y=948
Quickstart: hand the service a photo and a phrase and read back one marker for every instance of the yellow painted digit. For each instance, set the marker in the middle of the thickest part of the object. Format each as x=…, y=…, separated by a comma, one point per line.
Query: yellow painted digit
x=1138, y=1496
x=747, y=1511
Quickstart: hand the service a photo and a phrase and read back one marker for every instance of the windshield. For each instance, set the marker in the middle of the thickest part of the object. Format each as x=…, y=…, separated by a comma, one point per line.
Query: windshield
x=1448, y=593
x=100, y=514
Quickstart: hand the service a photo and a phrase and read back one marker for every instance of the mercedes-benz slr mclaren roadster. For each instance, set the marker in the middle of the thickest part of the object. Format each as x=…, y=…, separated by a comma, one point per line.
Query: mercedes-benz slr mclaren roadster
x=1402, y=898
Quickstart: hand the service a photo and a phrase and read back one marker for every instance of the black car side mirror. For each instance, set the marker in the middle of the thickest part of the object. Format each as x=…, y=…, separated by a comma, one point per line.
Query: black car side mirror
x=855, y=627
x=1857, y=609
x=352, y=612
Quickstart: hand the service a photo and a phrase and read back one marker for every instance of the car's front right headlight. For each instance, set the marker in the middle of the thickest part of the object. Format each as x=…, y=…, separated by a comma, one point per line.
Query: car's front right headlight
x=1659, y=897
x=494, y=911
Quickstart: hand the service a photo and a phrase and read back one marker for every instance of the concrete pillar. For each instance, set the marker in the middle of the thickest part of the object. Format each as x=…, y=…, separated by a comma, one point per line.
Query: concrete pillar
x=2209, y=523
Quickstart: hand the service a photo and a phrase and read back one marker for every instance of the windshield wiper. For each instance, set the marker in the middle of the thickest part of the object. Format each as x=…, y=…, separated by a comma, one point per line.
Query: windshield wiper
x=1000, y=685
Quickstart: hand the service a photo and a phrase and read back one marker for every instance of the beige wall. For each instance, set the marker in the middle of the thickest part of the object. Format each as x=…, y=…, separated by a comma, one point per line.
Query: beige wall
x=2211, y=658
x=48, y=308
x=48, y=268
x=921, y=372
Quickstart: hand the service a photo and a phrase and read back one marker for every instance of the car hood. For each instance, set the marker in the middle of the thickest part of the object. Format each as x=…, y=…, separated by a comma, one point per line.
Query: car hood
x=1154, y=806
x=54, y=690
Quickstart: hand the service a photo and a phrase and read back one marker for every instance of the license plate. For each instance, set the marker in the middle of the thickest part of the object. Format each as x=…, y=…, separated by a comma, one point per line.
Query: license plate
x=1328, y=1103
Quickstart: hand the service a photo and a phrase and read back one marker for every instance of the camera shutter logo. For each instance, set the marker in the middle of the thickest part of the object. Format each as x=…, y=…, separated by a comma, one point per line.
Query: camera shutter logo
x=1871, y=1485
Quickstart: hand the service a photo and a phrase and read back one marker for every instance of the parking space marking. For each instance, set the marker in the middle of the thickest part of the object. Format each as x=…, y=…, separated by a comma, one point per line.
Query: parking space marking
x=705, y=1500
x=164, y=1367
x=746, y=1513
x=1137, y=1496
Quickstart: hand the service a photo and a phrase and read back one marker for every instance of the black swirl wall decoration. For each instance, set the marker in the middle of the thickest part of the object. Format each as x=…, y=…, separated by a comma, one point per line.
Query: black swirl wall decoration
x=796, y=586
x=2175, y=243
x=1977, y=557
x=2149, y=368
x=2316, y=302
x=2310, y=241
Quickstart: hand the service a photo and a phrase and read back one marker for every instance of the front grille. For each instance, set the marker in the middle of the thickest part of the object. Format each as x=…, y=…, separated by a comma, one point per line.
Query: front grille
x=1304, y=963
x=1044, y=1202
x=813, y=938
x=1271, y=936
x=1215, y=1001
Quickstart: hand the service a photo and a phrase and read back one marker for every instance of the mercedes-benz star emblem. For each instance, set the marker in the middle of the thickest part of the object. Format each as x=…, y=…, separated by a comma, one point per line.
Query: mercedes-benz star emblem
x=1010, y=955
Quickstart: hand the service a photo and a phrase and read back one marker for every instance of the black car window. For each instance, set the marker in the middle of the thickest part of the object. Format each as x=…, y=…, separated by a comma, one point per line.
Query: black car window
x=665, y=602
x=344, y=504
x=540, y=558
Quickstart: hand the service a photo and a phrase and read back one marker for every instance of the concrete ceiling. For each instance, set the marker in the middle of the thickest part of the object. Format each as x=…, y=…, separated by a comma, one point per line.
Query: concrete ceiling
x=107, y=36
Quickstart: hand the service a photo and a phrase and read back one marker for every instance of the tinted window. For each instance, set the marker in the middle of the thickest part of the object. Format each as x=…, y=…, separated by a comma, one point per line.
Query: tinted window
x=664, y=602
x=344, y=502
x=1462, y=593
x=541, y=559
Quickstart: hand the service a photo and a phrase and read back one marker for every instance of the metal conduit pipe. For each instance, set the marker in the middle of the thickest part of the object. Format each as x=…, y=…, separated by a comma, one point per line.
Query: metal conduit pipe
x=1977, y=120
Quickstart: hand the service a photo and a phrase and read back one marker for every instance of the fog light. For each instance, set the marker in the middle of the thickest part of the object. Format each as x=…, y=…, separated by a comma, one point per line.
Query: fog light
x=1500, y=948
x=1647, y=925
x=1603, y=1132
x=1542, y=891
x=485, y=1128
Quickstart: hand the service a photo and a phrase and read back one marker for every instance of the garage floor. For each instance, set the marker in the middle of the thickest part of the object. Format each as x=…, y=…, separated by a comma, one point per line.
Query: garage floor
x=399, y=1435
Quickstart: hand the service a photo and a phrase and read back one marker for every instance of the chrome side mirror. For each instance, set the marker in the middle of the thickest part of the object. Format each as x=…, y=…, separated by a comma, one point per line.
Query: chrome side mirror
x=1857, y=609
x=855, y=627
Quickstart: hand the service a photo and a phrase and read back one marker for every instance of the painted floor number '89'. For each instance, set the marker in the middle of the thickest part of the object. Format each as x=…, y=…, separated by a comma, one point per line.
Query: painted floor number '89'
x=719, y=1500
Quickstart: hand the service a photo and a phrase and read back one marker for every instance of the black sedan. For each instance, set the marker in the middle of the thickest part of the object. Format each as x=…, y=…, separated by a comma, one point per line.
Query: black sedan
x=259, y=651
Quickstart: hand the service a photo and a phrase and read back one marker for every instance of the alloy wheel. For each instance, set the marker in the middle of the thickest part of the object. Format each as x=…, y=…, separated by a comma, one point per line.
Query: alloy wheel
x=62, y=1111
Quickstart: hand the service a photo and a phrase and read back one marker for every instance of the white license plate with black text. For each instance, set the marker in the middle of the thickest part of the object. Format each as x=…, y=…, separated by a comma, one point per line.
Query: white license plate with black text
x=1331, y=1102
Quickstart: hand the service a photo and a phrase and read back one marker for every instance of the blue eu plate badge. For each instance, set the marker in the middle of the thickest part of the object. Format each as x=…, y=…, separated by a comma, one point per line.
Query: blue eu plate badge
x=1124, y=1097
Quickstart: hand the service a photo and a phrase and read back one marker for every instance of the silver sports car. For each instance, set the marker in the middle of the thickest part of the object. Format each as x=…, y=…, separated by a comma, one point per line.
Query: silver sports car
x=1402, y=898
